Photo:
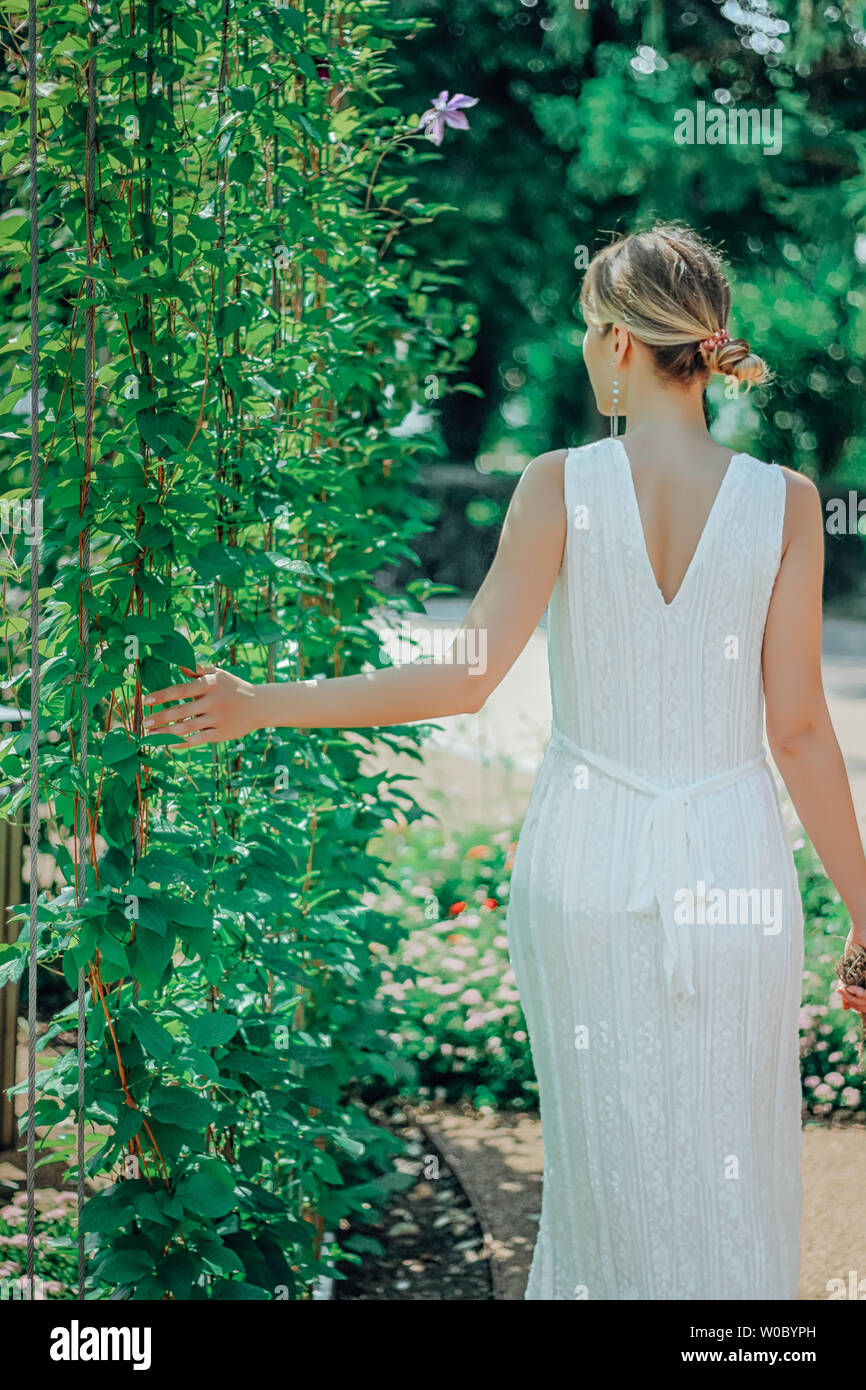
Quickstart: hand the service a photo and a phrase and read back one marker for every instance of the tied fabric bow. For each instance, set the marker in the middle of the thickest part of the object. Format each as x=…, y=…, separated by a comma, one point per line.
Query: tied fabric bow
x=671, y=854
x=671, y=851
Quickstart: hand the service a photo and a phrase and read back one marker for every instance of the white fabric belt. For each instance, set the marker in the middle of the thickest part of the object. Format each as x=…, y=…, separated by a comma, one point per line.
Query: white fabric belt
x=670, y=834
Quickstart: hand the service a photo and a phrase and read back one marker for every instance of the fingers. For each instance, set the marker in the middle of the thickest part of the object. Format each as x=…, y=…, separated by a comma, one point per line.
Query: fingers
x=176, y=692
x=162, y=718
x=184, y=721
x=176, y=714
x=205, y=736
x=853, y=997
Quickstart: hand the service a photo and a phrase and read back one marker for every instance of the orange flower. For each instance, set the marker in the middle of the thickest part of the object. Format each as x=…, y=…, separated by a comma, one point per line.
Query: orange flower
x=456, y=908
x=478, y=852
x=490, y=902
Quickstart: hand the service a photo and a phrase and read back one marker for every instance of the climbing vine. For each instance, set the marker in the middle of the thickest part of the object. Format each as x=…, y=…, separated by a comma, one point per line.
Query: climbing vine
x=264, y=342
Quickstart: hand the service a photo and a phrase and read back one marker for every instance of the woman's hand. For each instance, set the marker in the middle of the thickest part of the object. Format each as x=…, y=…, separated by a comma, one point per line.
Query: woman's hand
x=854, y=996
x=217, y=706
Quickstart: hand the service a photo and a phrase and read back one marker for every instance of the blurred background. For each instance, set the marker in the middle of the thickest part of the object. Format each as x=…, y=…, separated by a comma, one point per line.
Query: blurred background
x=572, y=140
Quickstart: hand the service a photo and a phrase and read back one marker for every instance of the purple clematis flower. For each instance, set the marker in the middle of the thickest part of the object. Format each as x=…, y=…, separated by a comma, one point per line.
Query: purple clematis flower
x=444, y=112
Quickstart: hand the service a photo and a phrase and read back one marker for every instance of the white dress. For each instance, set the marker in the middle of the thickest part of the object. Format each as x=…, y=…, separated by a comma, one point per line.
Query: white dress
x=663, y=1026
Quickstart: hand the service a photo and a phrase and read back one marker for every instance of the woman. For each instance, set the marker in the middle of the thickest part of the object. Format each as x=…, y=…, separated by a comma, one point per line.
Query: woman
x=654, y=925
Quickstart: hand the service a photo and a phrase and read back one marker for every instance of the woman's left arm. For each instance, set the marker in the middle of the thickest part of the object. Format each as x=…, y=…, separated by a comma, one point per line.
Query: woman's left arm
x=217, y=705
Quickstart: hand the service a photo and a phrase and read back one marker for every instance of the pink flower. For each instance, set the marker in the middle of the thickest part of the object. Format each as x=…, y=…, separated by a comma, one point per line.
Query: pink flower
x=445, y=112
x=835, y=1078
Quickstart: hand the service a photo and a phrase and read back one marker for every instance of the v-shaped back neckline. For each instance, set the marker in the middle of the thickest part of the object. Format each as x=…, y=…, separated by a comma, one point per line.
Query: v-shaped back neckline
x=622, y=452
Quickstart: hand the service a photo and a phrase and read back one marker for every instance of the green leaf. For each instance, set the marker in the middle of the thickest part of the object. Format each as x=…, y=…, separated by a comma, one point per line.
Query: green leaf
x=209, y=1191
x=179, y=1105
x=125, y=1266
x=211, y=1030
x=155, y=1039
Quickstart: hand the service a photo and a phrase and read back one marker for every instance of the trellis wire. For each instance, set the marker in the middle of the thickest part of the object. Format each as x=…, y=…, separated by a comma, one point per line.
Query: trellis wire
x=89, y=386
x=89, y=392
x=34, y=643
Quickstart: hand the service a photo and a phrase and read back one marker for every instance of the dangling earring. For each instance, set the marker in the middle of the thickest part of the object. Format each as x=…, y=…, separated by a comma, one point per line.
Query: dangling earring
x=614, y=419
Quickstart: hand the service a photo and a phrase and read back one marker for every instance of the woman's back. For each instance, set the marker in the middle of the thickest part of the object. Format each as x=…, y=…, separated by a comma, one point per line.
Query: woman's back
x=654, y=925
x=671, y=689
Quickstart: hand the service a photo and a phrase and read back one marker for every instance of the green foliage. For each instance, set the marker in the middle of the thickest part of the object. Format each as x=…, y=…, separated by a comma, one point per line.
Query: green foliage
x=449, y=978
x=263, y=326
x=573, y=139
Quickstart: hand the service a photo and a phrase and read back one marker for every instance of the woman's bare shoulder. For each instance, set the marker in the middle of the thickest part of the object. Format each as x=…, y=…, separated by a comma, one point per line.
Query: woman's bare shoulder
x=544, y=476
x=803, y=508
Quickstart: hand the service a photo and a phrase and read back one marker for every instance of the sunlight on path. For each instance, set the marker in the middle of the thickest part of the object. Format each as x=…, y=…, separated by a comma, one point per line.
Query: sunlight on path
x=501, y=1157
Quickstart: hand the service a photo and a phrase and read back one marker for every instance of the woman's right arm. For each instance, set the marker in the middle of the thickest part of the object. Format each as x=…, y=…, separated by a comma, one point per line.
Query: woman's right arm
x=799, y=730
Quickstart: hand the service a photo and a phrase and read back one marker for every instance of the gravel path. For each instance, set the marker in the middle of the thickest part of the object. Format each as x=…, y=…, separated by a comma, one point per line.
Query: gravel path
x=500, y=1157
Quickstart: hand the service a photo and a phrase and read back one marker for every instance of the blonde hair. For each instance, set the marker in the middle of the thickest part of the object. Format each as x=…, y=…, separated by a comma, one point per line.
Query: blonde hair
x=668, y=288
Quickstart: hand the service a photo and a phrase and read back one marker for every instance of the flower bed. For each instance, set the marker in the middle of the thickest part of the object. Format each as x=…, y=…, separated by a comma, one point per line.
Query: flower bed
x=832, y=1077
x=56, y=1248
x=450, y=979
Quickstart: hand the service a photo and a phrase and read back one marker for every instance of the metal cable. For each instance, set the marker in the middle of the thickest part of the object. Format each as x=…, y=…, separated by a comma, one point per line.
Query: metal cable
x=35, y=519
x=89, y=392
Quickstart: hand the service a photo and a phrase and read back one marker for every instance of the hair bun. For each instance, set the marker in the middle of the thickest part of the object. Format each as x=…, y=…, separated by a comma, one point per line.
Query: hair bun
x=734, y=357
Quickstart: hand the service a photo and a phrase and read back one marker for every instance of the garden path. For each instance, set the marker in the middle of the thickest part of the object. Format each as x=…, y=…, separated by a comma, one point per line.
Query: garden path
x=500, y=1158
